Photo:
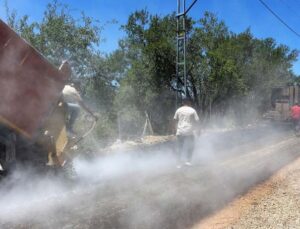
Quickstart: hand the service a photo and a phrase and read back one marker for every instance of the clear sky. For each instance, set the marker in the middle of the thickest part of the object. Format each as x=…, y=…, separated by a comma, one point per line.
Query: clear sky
x=237, y=14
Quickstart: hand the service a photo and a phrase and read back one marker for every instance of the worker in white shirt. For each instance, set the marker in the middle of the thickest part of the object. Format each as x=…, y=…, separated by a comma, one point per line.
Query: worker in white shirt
x=186, y=118
x=74, y=101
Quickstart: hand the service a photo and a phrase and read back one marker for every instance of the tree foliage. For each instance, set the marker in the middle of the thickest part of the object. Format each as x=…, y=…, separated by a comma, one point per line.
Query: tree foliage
x=225, y=70
x=61, y=36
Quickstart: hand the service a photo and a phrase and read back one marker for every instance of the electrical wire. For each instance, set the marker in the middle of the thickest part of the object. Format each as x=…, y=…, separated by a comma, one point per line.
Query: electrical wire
x=276, y=15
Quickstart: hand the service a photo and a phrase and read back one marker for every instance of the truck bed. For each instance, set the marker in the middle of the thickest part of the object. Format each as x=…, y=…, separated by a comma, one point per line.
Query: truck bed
x=30, y=86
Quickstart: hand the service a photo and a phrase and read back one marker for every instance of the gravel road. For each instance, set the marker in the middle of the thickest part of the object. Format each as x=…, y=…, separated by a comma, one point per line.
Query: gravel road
x=145, y=190
x=280, y=208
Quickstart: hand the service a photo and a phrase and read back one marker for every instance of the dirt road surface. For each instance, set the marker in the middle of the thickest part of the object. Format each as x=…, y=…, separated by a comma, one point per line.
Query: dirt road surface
x=273, y=203
x=146, y=190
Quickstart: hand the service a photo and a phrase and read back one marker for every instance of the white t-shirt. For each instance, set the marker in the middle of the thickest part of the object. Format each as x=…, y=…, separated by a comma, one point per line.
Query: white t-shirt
x=71, y=95
x=186, y=117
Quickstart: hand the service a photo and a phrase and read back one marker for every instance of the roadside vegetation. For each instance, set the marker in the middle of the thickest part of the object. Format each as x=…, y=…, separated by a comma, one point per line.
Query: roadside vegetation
x=228, y=73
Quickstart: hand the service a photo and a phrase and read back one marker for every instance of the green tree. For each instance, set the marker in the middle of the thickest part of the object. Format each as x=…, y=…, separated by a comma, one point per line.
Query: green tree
x=225, y=70
x=150, y=54
x=62, y=36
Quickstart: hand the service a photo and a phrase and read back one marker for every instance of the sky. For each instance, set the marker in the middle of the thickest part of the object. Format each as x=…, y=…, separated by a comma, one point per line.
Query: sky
x=238, y=15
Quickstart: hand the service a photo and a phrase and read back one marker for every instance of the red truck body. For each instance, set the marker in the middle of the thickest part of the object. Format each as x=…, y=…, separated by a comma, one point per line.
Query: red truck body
x=29, y=85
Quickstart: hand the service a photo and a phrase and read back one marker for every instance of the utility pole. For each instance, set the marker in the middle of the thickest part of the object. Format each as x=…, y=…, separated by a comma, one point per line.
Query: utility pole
x=181, y=74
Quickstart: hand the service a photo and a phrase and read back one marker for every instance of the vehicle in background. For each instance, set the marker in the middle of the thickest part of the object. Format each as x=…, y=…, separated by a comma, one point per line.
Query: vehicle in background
x=282, y=99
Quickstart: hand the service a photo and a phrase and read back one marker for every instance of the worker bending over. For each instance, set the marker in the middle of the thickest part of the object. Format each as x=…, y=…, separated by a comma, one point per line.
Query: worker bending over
x=74, y=101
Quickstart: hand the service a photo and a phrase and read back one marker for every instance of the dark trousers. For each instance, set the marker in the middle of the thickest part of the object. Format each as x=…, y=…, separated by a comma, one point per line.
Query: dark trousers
x=73, y=112
x=296, y=122
x=185, y=147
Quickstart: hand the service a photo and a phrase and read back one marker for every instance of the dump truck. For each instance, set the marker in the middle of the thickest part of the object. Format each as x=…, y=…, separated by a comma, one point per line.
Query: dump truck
x=32, y=113
x=282, y=98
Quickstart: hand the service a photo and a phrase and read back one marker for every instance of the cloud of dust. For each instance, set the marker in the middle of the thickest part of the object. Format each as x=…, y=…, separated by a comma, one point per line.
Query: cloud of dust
x=124, y=163
x=26, y=192
x=142, y=188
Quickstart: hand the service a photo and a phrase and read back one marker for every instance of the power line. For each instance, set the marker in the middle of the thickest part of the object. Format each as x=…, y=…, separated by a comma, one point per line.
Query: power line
x=282, y=21
x=191, y=6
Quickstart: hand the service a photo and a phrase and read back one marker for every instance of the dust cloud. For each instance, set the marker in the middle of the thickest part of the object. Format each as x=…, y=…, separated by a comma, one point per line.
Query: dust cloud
x=142, y=188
